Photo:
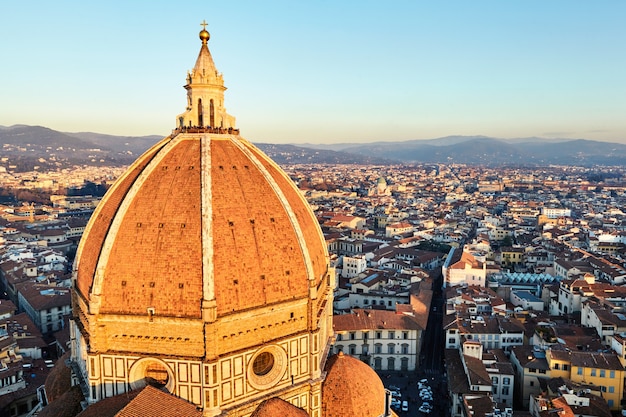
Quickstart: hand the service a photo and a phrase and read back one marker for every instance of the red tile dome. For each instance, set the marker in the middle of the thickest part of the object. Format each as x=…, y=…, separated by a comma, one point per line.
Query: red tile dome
x=351, y=388
x=200, y=216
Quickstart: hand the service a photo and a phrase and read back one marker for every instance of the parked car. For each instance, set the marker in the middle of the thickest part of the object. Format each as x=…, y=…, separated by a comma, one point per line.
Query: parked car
x=425, y=408
x=405, y=406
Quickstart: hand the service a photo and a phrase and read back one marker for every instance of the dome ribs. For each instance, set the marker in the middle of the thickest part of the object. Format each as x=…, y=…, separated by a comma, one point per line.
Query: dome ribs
x=265, y=246
x=312, y=234
x=161, y=252
x=249, y=220
x=98, y=227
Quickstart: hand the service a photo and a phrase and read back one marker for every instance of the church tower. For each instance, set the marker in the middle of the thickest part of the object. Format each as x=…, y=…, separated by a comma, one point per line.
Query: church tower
x=204, y=272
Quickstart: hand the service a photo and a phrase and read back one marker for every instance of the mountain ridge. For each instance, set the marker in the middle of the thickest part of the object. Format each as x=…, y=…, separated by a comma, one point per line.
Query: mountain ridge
x=48, y=148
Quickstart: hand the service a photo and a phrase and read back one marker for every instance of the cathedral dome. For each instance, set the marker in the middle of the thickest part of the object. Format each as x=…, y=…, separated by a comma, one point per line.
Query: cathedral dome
x=351, y=388
x=203, y=272
x=200, y=213
x=202, y=226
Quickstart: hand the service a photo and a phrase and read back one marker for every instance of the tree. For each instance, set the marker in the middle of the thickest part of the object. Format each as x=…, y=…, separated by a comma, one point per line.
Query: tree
x=507, y=241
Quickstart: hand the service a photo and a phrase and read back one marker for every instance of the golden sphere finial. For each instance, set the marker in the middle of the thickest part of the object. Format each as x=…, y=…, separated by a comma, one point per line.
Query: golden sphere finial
x=204, y=34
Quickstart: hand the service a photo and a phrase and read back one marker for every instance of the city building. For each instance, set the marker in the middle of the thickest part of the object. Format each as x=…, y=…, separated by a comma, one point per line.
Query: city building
x=598, y=369
x=386, y=340
x=532, y=372
x=469, y=380
x=467, y=270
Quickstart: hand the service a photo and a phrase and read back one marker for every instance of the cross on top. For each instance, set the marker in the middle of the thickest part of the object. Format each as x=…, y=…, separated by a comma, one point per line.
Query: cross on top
x=203, y=24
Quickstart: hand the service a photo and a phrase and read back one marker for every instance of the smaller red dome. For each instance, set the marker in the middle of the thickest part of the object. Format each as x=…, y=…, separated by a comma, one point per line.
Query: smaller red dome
x=351, y=388
x=278, y=407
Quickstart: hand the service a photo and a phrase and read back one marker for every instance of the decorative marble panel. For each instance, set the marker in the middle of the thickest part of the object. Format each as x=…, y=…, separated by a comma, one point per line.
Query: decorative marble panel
x=195, y=373
x=239, y=387
x=227, y=391
x=183, y=372
x=107, y=367
x=120, y=368
x=226, y=368
x=238, y=365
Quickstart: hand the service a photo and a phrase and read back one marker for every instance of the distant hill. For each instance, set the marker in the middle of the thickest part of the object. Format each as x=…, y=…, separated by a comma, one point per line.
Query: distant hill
x=30, y=146
x=484, y=150
x=37, y=146
x=27, y=147
x=292, y=154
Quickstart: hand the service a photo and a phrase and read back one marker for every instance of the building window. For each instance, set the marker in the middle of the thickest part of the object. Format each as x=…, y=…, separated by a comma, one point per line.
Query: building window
x=405, y=349
x=611, y=374
x=593, y=371
x=611, y=389
x=532, y=370
x=580, y=370
x=392, y=335
x=532, y=383
x=379, y=335
x=506, y=381
x=339, y=348
x=602, y=373
x=262, y=365
x=378, y=348
x=451, y=341
x=405, y=335
x=365, y=335
x=391, y=364
x=610, y=402
x=556, y=366
x=542, y=371
x=352, y=349
x=505, y=390
x=339, y=337
x=391, y=348
x=565, y=367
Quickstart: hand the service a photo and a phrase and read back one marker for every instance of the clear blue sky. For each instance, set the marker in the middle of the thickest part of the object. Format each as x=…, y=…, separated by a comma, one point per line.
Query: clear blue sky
x=322, y=71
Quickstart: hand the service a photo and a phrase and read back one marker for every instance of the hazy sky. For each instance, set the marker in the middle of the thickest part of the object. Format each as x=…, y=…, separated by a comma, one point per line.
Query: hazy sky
x=322, y=71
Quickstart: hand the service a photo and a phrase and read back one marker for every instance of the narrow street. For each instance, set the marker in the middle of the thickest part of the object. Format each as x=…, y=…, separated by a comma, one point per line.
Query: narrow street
x=431, y=366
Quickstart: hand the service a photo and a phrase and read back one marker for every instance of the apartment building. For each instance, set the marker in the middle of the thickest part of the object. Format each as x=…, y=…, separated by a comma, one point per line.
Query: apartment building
x=386, y=340
x=600, y=369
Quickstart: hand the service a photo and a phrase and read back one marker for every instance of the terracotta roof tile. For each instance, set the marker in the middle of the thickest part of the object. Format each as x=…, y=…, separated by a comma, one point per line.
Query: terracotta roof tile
x=275, y=407
x=351, y=388
x=148, y=232
x=151, y=402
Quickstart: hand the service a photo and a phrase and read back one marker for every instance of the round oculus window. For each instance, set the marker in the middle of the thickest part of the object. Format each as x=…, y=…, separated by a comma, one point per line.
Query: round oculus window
x=151, y=371
x=263, y=363
x=267, y=367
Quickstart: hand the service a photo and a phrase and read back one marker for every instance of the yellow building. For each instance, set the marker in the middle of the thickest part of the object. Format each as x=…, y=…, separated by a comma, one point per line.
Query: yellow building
x=509, y=256
x=603, y=370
